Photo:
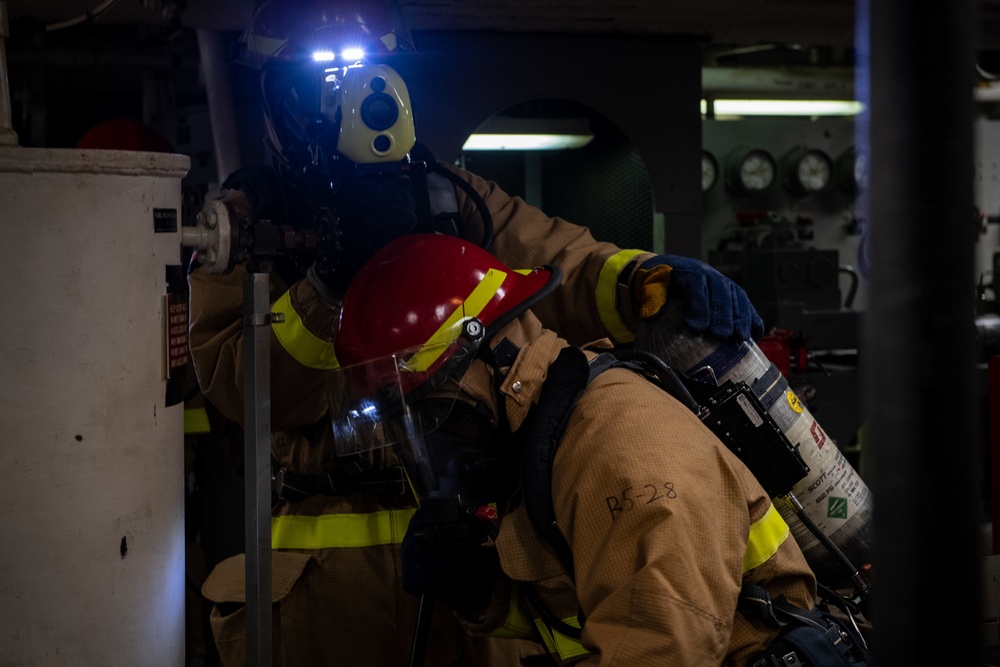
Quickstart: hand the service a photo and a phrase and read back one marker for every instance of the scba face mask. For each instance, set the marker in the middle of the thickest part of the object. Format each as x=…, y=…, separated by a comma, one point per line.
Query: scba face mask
x=412, y=401
x=370, y=107
x=318, y=116
x=324, y=95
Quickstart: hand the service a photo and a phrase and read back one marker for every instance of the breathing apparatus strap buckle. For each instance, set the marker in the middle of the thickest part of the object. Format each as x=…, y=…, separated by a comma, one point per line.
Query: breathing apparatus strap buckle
x=391, y=480
x=790, y=659
x=809, y=638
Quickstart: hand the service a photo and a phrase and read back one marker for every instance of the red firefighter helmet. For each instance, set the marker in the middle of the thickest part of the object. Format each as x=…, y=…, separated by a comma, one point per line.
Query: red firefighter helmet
x=410, y=325
x=417, y=293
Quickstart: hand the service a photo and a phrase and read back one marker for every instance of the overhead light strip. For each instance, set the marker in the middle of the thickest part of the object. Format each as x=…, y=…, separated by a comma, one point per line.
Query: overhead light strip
x=525, y=142
x=503, y=133
x=737, y=107
x=516, y=135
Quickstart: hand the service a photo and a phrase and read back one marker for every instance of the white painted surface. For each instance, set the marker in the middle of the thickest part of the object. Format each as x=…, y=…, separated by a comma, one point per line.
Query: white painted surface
x=89, y=453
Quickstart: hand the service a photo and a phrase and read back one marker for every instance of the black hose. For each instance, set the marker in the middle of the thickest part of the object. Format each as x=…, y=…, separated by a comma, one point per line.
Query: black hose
x=477, y=199
x=825, y=540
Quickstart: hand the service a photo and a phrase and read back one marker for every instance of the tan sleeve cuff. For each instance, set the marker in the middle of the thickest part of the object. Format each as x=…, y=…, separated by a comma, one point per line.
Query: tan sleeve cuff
x=628, y=304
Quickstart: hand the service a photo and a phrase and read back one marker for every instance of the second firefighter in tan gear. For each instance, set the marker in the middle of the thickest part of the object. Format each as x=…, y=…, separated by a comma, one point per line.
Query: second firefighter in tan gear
x=664, y=523
x=337, y=524
x=330, y=548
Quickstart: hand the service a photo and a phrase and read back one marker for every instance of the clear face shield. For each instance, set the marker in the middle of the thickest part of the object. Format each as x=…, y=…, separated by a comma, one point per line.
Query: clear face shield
x=405, y=400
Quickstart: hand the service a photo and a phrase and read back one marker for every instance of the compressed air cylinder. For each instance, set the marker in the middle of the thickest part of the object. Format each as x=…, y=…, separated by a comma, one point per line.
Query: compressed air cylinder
x=92, y=495
x=833, y=494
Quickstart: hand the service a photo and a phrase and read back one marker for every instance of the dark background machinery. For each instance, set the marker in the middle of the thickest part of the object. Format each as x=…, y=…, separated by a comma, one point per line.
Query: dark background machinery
x=158, y=61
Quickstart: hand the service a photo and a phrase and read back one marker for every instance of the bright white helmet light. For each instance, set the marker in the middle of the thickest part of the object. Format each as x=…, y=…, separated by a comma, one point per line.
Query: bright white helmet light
x=352, y=54
x=323, y=56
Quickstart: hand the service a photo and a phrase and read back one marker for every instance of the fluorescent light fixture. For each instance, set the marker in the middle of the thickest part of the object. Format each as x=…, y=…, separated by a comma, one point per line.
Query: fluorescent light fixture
x=502, y=133
x=726, y=107
x=525, y=142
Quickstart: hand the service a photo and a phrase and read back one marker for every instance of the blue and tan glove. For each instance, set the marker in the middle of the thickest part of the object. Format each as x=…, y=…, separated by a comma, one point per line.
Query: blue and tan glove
x=712, y=303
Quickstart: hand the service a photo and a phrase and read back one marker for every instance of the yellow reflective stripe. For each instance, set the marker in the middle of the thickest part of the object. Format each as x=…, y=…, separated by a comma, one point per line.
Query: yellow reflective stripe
x=518, y=623
x=429, y=352
x=304, y=346
x=766, y=535
x=556, y=642
x=196, y=420
x=331, y=531
x=607, y=295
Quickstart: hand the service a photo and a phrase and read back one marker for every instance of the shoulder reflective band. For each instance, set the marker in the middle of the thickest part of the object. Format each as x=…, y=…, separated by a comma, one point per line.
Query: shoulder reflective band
x=333, y=531
x=558, y=643
x=196, y=421
x=445, y=334
x=766, y=535
x=607, y=295
x=304, y=346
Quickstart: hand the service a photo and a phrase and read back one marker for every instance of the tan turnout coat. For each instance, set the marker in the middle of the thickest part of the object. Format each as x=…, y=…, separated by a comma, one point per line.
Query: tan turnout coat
x=663, y=521
x=340, y=601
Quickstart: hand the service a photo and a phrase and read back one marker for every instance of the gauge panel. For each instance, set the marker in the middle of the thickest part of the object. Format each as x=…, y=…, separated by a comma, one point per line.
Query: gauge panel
x=807, y=170
x=751, y=171
x=852, y=171
x=709, y=171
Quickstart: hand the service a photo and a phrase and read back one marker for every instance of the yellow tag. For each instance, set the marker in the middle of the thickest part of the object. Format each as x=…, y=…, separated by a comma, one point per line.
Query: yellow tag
x=793, y=401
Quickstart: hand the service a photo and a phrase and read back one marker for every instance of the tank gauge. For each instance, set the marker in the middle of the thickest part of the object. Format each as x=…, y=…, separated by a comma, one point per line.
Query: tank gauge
x=709, y=171
x=807, y=170
x=750, y=171
x=852, y=171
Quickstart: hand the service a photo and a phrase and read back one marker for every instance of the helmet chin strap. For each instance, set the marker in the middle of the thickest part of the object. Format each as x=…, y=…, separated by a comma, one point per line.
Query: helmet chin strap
x=498, y=357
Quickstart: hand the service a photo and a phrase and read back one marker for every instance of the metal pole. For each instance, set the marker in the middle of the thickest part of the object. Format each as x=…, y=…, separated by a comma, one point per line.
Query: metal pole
x=920, y=347
x=257, y=463
x=7, y=135
x=221, y=111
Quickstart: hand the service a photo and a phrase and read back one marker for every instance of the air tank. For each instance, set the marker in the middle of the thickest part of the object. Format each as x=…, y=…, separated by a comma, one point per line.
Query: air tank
x=832, y=494
x=92, y=491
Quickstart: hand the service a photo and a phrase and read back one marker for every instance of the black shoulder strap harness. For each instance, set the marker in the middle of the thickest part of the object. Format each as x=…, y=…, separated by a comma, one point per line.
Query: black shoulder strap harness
x=814, y=638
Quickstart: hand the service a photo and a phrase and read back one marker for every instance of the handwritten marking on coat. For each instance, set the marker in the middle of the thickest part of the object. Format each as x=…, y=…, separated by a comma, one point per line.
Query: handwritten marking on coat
x=627, y=499
x=124, y=547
